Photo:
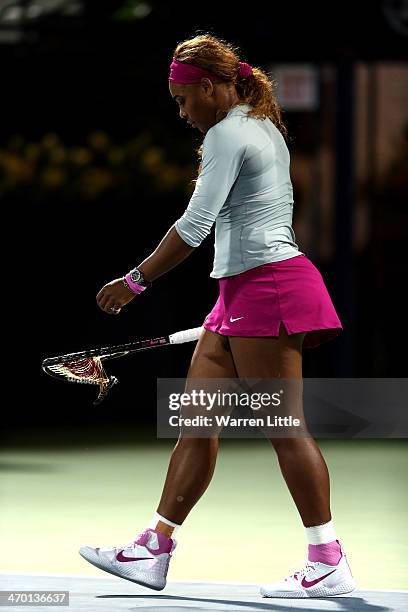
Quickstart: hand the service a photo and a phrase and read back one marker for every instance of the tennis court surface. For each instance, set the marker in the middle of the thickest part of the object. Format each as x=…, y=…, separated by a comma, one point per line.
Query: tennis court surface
x=244, y=532
x=115, y=594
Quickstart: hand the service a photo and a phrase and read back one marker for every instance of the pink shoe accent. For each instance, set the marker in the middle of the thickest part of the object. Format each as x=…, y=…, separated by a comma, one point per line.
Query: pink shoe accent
x=306, y=584
x=165, y=543
x=330, y=553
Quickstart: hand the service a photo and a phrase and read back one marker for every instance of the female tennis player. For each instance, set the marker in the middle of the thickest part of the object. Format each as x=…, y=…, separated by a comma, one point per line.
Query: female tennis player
x=272, y=302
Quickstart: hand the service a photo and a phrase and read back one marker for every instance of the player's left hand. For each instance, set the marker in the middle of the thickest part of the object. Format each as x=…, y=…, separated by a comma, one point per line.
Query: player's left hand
x=113, y=296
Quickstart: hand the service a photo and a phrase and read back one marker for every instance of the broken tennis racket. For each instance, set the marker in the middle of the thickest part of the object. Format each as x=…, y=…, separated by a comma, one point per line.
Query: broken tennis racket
x=86, y=366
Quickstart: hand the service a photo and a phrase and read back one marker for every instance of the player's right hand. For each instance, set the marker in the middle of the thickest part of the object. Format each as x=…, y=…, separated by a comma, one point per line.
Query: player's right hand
x=113, y=296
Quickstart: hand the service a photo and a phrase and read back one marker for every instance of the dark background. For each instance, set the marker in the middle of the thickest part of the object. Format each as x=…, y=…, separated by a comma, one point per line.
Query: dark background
x=96, y=166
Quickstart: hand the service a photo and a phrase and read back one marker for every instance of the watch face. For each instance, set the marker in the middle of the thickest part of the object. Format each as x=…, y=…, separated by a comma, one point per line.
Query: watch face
x=136, y=276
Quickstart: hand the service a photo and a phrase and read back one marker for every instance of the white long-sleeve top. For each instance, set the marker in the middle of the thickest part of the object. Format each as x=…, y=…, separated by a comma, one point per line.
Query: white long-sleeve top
x=245, y=188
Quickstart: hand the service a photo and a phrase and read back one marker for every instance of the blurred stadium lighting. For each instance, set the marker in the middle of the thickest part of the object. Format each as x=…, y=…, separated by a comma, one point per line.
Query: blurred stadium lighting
x=14, y=15
x=12, y=12
x=133, y=9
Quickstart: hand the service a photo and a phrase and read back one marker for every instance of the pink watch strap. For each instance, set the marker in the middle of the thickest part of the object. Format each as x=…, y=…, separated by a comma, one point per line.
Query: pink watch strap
x=134, y=286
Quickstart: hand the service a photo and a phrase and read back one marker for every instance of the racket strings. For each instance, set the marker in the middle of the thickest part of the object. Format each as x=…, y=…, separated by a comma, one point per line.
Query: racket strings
x=88, y=370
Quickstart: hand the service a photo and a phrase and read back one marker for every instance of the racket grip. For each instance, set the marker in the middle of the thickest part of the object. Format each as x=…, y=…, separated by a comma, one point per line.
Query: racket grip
x=187, y=335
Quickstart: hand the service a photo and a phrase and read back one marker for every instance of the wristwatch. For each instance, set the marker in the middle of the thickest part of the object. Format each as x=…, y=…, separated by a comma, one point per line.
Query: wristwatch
x=137, y=277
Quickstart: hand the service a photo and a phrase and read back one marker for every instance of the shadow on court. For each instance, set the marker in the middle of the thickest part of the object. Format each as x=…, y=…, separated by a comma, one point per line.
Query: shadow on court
x=99, y=594
x=341, y=603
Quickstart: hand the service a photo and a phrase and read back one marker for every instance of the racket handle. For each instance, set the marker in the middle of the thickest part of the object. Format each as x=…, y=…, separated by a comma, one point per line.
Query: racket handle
x=187, y=335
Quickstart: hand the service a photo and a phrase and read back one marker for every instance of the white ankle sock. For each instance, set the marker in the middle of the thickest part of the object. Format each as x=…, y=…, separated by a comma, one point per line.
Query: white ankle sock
x=321, y=534
x=158, y=517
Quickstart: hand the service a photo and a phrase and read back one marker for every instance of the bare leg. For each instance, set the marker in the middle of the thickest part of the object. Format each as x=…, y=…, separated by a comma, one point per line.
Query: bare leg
x=305, y=472
x=193, y=460
x=300, y=459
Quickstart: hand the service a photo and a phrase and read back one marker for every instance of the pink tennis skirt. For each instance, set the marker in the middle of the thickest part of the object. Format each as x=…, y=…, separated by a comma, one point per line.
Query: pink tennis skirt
x=291, y=292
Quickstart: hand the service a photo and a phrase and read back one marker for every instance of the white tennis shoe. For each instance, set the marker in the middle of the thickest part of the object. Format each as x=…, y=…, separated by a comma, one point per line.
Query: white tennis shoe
x=144, y=561
x=314, y=580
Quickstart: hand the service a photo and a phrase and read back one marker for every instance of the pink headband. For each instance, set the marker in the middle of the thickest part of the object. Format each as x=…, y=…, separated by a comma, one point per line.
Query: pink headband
x=187, y=74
